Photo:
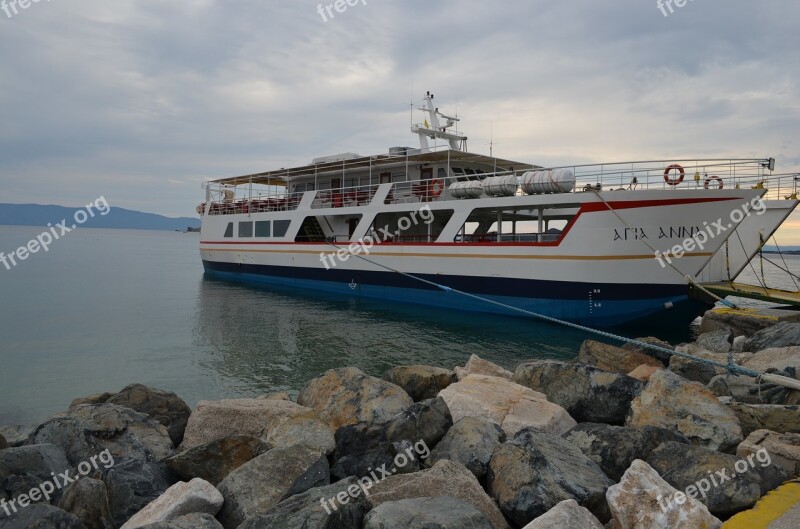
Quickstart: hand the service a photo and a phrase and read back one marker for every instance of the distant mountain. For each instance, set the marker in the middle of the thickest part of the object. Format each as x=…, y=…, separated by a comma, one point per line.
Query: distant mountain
x=116, y=218
x=774, y=249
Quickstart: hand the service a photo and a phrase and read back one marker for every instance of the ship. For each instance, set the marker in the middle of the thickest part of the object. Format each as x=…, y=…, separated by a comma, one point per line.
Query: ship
x=602, y=245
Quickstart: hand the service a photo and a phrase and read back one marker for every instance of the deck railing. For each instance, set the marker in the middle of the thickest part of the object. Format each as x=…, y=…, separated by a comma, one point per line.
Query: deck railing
x=675, y=175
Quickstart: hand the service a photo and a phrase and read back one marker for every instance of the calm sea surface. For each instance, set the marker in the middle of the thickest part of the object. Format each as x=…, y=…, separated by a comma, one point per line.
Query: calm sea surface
x=105, y=308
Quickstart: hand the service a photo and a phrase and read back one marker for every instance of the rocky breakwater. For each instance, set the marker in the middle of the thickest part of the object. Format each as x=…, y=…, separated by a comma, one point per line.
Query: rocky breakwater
x=619, y=437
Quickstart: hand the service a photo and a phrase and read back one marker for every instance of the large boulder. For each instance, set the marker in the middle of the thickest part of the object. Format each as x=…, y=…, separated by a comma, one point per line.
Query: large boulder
x=440, y=512
x=781, y=449
x=614, y=448
x=196, y=520
x=16, y=435
x=587, y=393
x=40, y=516
x=472, y=442
x=773, y=417
x=347, y=396
x=341, y=505
x=88, y=500
x=261, y=484
x=778, y=358
x=478, y=366
x=196, y=496
x=280, y=422
x=535, y=471
x=745, y=322
x=566, y=515
x=509, y=405
x=740, y=388
x=697, y=370
x=421, y=382
x=644, y=500
x=132, y=447
x=426, y=421
x=445, y=478
x=27, y=467
x=215, y=460
x=617, y=359
x=689, y=408
x=164, y=406
x=783, y=334
x=720, y=341
x=725, y=484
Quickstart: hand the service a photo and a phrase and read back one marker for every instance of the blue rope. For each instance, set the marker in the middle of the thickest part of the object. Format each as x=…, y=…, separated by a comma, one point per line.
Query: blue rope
x=733, y=368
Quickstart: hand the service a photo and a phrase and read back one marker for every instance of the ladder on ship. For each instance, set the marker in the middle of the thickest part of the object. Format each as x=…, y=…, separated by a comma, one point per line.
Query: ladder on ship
x=311, y=231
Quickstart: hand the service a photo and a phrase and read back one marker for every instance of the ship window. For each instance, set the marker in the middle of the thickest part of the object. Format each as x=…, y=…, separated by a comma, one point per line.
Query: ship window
x=280, y=228
x=441, y=173
x=229, y=230
x=246, y=229
x=262, y=228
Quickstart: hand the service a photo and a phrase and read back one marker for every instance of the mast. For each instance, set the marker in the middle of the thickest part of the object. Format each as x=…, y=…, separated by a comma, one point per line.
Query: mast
x=433, y=129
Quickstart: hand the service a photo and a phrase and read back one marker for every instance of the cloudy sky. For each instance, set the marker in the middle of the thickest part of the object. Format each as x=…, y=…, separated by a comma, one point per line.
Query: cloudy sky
x=141, y=100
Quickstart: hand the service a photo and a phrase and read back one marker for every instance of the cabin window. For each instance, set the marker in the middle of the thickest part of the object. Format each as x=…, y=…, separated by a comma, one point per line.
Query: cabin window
x=229, y=230
x=246, y=229
x=280, y=227
x=262, y=228
x=517, y=225
x=441, y=173
x=386, y=178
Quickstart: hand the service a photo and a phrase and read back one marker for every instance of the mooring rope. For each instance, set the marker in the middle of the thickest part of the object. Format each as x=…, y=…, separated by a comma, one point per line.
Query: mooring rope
x=733, y=368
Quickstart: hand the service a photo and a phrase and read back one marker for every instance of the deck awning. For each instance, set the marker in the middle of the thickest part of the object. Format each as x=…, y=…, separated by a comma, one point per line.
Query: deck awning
x=379, y=162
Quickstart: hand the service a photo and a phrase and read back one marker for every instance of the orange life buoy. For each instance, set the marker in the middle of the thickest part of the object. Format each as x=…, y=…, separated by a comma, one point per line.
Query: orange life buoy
x=436, y=187
x=710, y=179
x=674, y=181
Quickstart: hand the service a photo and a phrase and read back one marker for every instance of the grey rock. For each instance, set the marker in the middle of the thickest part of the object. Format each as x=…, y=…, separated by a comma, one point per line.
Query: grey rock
x=306, y=511
x=426, y=421
x=88, y=500
x=741, y=388
x=471, y=442
x=446, y=478
x=196, y=496
x=784, y=334
x=26, y=467
x=164, y=406
x=532, y=473
x=719, y=341
x=685, y=466
x=689, y=408
x=440, y=512
x=745, y=323
x=41, y=516
x=693, y=370
x=752, y=417
x=348, y=396
x=132, y=484
x=190, y=521
x=587, y=393
x=262, y=483
x=421, y=382
x=137, y=444
x=215, y=460
x=566, y=515
x=616, y=359
x=16, y=435
x=3, y=443
x=614, y=448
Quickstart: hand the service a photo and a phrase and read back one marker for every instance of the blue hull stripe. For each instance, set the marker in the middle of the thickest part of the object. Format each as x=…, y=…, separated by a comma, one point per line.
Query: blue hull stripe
x=619, y=304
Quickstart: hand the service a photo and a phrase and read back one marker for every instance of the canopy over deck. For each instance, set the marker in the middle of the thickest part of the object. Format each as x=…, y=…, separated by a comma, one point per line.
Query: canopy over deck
x=375, y=163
